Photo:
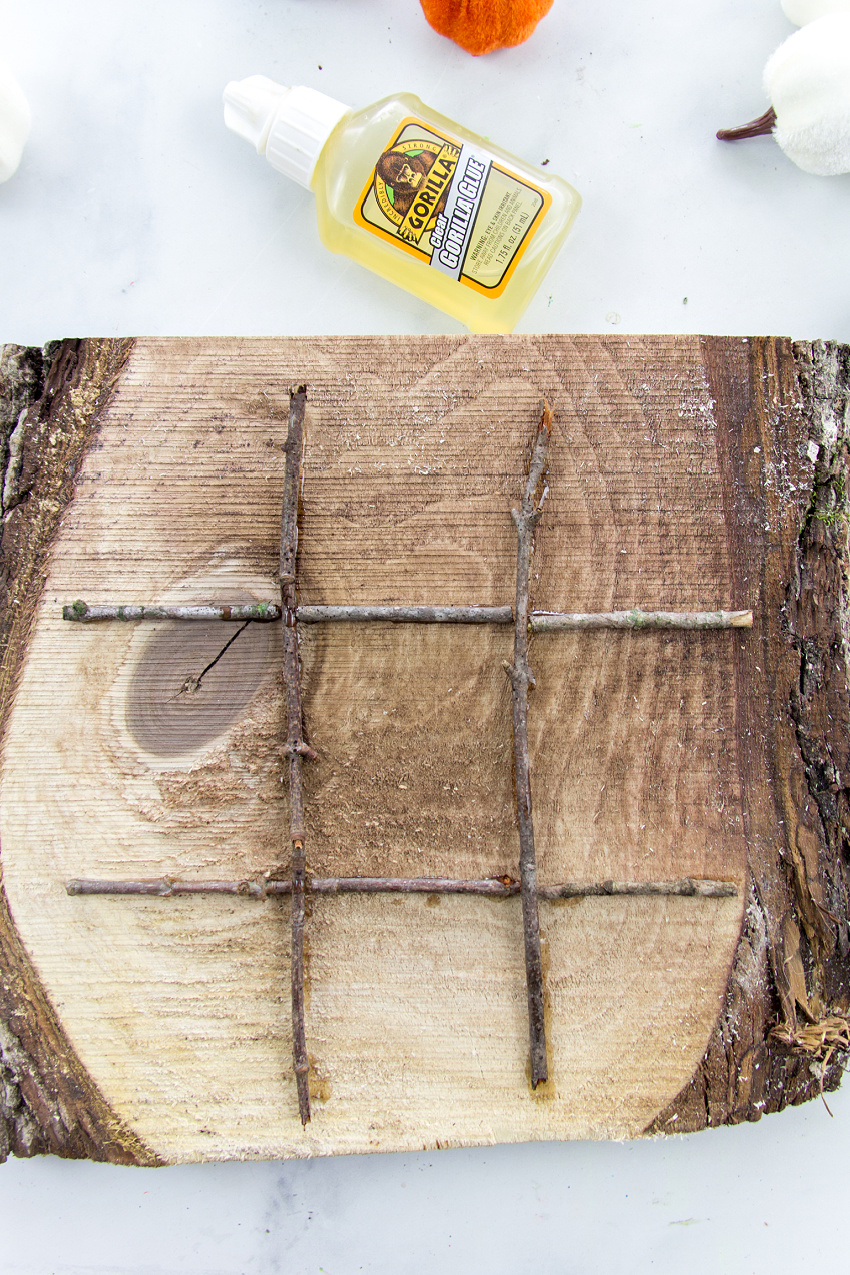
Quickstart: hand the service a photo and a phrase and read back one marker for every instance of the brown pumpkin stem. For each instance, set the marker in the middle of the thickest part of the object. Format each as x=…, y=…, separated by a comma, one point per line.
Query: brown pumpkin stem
x=756, y=128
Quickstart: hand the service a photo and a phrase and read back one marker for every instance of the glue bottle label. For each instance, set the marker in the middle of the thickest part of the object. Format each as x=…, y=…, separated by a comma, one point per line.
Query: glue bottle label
x=451, y=205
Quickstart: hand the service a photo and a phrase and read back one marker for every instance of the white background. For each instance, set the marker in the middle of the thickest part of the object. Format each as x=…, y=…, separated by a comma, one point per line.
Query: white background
x=135, y=212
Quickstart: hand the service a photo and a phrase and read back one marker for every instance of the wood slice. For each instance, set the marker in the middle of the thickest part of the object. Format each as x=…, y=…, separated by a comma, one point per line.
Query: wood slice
x=685, y=473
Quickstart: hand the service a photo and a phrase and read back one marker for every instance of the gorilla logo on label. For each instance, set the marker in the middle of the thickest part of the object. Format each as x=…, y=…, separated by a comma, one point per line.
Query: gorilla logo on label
x=403, y=172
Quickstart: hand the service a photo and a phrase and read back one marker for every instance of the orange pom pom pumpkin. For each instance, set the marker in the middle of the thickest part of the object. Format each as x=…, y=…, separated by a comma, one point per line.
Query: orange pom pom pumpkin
x=480, y=26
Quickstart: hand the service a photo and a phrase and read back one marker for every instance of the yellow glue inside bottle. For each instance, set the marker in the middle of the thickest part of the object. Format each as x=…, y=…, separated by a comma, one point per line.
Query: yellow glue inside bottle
x=414, y=197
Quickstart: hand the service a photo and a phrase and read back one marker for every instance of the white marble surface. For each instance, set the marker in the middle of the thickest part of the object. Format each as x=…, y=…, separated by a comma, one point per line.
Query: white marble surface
x=135, y=212
x=744, y=1201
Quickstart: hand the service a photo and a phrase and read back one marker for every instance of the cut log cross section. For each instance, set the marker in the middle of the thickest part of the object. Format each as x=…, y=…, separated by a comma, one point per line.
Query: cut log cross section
x=295, y=749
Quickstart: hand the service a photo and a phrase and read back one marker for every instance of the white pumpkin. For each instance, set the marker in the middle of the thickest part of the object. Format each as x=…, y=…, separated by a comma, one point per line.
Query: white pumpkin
x=14, y=123
x=808, y=82
x=802, y=11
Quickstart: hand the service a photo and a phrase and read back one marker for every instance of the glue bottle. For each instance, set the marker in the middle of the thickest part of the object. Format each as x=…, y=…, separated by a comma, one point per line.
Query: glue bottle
x=414, y=196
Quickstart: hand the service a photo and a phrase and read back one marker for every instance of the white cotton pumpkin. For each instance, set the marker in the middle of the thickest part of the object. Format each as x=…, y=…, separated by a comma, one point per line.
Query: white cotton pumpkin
x=14, y=123
x=802, y=11
x=808, y=81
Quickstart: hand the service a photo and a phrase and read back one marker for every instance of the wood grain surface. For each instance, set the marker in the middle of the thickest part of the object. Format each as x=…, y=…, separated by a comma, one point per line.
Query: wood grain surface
x=681, y=477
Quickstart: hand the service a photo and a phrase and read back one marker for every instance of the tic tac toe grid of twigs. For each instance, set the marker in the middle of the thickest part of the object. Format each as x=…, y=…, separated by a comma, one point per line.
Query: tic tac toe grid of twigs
x=296, y=751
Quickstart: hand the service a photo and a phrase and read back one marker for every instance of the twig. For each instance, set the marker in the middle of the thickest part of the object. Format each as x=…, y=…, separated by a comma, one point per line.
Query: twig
x=83, y=613
x=169, y=887
x=406, y=614
x=521, y=678
x=687, y=887
x=539, y=621
x=294, y=734
x=554, y=621
x=491, y=887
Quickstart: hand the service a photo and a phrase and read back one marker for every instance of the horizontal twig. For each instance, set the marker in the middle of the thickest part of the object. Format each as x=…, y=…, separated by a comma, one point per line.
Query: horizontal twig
x=85, y=614
x=406, y=614
x=539, y=621
x=553, y=621
x=167, y=887
x=492, y=887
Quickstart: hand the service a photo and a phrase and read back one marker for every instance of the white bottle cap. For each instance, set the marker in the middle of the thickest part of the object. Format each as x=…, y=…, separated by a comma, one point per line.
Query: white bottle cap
x=287, y=125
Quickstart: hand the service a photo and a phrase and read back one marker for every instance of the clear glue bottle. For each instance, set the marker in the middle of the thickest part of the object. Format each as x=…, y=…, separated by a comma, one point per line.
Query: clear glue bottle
x=414, y=196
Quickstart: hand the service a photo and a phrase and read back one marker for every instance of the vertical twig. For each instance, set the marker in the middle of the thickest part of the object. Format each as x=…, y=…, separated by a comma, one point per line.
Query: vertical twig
x=295, y=747
x=521, y=678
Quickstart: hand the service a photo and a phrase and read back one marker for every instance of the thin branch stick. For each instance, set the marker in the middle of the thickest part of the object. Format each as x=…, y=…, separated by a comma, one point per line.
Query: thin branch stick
x=521, y=678
x=686, y=887
x=489, y=887
x=169, y=887
x=540, y=621
x=85, y=614
x=556, y=621
x=294, y=735
x=406, y=614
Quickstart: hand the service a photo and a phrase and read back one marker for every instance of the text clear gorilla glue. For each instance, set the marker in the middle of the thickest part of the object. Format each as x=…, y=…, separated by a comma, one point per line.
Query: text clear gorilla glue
x=414, y=196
